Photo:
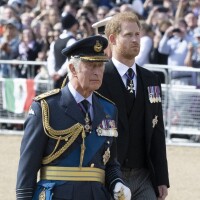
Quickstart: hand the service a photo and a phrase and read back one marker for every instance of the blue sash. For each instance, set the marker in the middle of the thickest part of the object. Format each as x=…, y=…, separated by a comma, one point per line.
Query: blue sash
x=93, y=143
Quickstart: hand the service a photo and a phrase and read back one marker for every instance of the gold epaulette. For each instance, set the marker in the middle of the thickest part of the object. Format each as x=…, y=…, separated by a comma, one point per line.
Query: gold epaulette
x=104, y=97
x=46, y=94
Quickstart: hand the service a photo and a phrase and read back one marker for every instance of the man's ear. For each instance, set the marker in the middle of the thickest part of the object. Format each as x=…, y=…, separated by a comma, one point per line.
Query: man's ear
x=112, y=39
x=72, y=69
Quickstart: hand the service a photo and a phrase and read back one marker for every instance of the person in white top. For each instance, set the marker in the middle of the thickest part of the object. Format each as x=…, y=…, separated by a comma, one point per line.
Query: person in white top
x=56, y=61
x=174, y=43
x=146, y=44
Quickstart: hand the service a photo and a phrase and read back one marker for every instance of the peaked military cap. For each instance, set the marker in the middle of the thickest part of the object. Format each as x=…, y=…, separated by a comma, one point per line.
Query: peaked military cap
x=88, y=49
x=100, y=25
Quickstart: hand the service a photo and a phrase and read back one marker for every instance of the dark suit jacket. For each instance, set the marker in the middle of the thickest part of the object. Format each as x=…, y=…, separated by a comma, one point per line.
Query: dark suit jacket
x=154, y=136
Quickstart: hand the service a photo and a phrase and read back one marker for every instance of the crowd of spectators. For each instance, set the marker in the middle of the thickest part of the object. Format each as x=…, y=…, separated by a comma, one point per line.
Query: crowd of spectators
x=170, y=29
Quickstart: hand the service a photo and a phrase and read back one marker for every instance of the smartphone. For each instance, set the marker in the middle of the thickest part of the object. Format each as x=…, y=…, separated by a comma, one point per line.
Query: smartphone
x=176, y=30
x=157, y=2
x=163, y=9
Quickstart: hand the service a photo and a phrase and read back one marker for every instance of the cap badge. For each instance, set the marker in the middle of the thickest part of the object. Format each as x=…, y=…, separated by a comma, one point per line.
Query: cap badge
x=98, y=47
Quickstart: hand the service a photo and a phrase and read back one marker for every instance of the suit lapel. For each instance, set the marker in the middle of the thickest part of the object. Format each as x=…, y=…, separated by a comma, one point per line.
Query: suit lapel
x=146, y=80
x=71, y=107
x=116, y=85
x=138, y=100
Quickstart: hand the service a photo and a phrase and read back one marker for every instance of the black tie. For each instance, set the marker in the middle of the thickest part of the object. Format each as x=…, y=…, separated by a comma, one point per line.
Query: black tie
x=86, y=106
x=86, y=109
x=129, y=81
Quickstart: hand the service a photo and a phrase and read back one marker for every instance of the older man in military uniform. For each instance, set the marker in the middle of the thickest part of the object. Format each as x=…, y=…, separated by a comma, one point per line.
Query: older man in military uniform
x=70, y=135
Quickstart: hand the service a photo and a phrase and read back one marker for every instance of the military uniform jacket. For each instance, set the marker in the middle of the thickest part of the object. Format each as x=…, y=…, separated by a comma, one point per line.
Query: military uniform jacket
x=64, y=113
x=154, y=127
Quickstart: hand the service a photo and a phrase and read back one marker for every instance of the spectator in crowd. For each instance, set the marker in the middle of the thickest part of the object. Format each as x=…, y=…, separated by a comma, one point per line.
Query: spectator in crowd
x=85, y=28
x=17, y=5
x=193, y=55
x=47, y=4
x=141, y=141
x=155, y=56
x=50, y=36
x=8, y=12
x=174, y=44
x=53, y=16
x=157, y=15
x=195, y=5
x=85, y=137
x=26, y=20
x=102, y=11
x=56, y=61
x=71, y=7
x=113, y=11
x=42, y=37
x=183, y=7
x=88, y=11
x=191, y=21
x=138, y=7
x=146, y=44
x=9, y=43
x=126, y=8
x=57, y=30
x=31, y=3
x=35, y=26
x=28, y=50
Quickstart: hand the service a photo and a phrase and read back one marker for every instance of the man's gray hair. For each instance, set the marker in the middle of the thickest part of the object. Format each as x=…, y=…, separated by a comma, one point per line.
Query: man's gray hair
x=74, y=61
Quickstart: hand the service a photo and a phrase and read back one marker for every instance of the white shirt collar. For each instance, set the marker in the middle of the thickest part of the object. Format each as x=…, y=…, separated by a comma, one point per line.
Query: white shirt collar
x=121, y=68
x=77, y=96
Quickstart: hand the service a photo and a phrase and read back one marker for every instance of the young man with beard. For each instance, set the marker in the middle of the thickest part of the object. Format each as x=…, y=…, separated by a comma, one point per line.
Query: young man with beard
x=137, y=95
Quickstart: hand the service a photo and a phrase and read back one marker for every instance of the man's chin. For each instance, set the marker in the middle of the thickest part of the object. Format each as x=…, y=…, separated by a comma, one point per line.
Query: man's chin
x=96, y=87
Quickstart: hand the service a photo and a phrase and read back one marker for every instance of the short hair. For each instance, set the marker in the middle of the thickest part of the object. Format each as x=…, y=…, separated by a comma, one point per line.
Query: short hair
x=114, y=25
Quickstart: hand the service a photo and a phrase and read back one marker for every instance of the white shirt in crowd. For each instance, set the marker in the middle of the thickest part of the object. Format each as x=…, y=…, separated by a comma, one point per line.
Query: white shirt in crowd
x=51, y=57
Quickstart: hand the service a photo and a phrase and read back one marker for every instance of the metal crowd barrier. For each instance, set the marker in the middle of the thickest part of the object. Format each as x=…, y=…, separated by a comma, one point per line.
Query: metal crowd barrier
x=181, y=103
x=11, y=123
x=30, y=65
x=8, y=119
x=181, y=96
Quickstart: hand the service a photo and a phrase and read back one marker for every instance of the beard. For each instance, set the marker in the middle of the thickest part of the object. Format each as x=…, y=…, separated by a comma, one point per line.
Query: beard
x=129, y=53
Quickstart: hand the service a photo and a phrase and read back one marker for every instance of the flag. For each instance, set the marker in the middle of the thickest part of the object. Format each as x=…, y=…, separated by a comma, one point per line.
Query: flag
x=17, y=94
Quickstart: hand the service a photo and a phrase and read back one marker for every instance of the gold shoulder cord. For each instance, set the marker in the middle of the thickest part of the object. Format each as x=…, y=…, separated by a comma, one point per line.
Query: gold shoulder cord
x=69, y=135
x=104, y=97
